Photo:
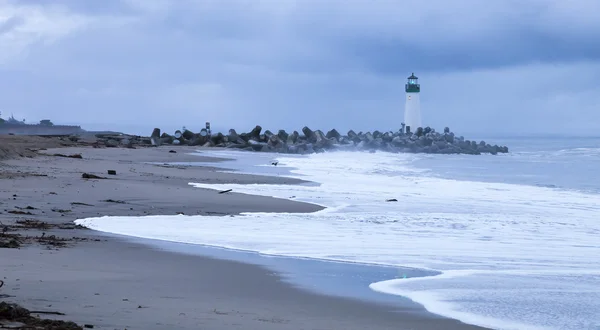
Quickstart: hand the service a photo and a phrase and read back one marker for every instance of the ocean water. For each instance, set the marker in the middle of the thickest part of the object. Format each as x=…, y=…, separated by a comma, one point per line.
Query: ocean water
x=515, y=237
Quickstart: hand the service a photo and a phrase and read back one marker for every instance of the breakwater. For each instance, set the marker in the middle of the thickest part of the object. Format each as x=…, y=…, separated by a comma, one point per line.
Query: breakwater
x=423, y=140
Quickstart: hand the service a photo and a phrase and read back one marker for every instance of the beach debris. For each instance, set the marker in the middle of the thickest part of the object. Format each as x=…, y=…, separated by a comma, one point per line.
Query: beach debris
x=114, y=201
x=274, y=163
x=172, y=151
x=391, y=200
x=32, y=224
x=112, y=172
x=91, y=176
x=52, y=240
x=61, y=211
x=219, y=312
x=20, y=212
x=4, y=295
x=77, y=156
x=10, y=244
x=46, y=312
x=225, y=191
x=16, y=240
x=14, y=313
x=80, y=203
x=28, y=207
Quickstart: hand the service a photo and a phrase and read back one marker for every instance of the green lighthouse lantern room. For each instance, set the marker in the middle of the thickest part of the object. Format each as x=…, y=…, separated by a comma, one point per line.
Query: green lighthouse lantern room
x=413, y=86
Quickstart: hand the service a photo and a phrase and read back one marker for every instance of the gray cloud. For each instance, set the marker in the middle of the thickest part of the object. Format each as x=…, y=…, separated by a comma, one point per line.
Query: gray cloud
x=485, y=67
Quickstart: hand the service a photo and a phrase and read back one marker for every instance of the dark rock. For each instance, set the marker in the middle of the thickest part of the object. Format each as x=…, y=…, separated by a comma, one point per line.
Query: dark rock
x=355, y=138
x=187, y=134
x=217, y=138
x=333, y=134
x=321, y=141
x=245, y=136
x=398, y=141
x=293, y=138
x=274, y=141
x=387, y=136
x=233, y=136
x=255, y=133
x=283, y=136
x=166, y=139
x=419, y=131
x=310, y=135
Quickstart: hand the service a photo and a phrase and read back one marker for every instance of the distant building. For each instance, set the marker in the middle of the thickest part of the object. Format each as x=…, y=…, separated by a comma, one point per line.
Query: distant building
x=45, y=127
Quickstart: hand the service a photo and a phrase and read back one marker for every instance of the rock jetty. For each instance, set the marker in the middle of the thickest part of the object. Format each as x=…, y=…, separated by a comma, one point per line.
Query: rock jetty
x=423, y=140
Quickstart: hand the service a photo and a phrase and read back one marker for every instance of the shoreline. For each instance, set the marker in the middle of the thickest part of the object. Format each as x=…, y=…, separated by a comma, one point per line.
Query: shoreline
x=155, y=190
x=294, y=274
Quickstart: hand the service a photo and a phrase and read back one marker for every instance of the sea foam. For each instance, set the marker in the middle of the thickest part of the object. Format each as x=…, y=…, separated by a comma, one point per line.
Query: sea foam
x=511, y=256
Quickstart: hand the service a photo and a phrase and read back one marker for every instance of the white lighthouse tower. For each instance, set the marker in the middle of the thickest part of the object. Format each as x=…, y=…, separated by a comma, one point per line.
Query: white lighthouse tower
x=412, y=109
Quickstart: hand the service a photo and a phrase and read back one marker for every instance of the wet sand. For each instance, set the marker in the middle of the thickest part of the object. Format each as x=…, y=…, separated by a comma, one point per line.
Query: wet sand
x=113, y=283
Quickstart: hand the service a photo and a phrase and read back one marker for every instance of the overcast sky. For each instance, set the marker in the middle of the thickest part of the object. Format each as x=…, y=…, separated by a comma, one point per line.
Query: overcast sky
x=485, y=67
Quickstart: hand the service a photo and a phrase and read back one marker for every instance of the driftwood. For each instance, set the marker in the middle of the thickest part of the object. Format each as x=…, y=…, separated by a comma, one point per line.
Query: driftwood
x=80, y=203
x=91, y=176
x=19, y=212
x=114, y=201
x=225, y=191
x=47, y=312
x=78, y=156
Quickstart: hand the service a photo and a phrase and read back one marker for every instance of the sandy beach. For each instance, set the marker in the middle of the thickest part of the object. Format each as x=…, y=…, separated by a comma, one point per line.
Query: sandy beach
x=112, y=283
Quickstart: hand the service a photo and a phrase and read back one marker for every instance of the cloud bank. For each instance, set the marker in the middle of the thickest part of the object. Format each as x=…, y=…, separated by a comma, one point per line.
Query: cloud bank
x=502, y=67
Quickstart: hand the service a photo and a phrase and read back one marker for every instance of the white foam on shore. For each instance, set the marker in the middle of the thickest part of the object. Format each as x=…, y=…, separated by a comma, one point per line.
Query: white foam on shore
x=512, y=256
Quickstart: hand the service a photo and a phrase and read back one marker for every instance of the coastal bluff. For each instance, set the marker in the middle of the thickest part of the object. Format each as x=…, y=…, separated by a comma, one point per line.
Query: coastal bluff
x=308, y=141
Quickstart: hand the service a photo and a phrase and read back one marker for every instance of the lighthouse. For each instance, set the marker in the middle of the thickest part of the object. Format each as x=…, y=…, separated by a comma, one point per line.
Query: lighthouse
x=412, y=109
